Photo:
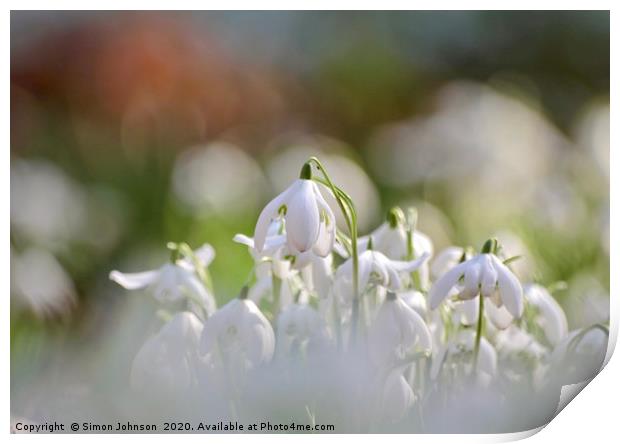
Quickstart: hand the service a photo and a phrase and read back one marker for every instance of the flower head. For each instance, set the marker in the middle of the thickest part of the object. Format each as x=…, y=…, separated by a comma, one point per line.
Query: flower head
x=483, y=274
x=173, y=281
x=375, y=267
x=464, y=343
x=396, y=332
x=550, y=316
x=310, y=222
x=301, y=327
x=238, y=335
x=397, y=396
x=169, y=360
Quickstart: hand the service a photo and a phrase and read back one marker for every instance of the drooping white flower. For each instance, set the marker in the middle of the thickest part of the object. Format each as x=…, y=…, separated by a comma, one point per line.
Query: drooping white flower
x=40, y=284
x=514, y=340
x=318, y=275
x=375, y=267
x=464, y=342
x=173, y=281
x=483, y=274
x=273, y=250
x=580, y=355
x=550, y=316
x=392, y=241
x=300, y=327
x=397, y=396
x=238, y=336
x=168, y=361
x=397, y=331
x=310, y=222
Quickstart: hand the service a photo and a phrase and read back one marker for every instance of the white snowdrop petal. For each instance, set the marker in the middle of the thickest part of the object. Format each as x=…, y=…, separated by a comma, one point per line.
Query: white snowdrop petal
x=243, y=240
x=471, y=280
x=499, y=316
x=487, y=358
x=510, y=288
x=442, y=286
x=422, y=243
x=468, y=310
x=205, y=254
x=397, y=398
x=424, y=335
x=488, y=278
x=327, y=234
x=553, y=319
x=409, y=266
x=134, y=281
x=302, y=217
x=269, y=213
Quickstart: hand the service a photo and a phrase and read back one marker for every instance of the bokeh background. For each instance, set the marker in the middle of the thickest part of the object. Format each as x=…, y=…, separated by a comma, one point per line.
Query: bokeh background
x=132, y=129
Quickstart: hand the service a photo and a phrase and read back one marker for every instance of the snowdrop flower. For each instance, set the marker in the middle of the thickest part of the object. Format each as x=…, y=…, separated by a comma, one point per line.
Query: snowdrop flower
x=169, y=360
x=464, y=342
x=273, y=249
x=580, y=355
x=375, y=267
x=310, y=222
x=390, y=237
x=396, y=332
x=515, y=340
x=40, y=284
x=173, y=281
x=238, y=336
x=550, y=316
x=318, y=275
x=397, y=396
x=300, y=327
x=263, y=289
x=483, y=274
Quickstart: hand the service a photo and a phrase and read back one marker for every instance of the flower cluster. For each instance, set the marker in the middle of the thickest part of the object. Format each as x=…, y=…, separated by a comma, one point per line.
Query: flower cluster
x=379, y=326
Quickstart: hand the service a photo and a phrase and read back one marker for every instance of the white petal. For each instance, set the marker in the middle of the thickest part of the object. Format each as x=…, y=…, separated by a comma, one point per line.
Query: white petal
x=487, y=358
x=327, y=231
x=468, y=310
x=269, y=213
x=244, y=240
x=444, y=284
x=510, y=288
x=134, y=281
x=471, y=280
x=553, y=320
x=425, y=341
x=397, y=397
x=499, y=316
x=302, y=217
x=422, y=243
x=205, y=254
x=381, y=266
x=408, y=266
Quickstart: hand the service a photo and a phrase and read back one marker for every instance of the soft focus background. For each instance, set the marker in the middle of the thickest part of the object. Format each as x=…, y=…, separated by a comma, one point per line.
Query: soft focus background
x=129, y=130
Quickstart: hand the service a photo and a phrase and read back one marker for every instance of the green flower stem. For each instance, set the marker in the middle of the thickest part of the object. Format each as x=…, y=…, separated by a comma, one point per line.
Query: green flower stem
x=276, y=286
x=478, y=333
x=411, y=225
x=348, y=210
x=489, y=247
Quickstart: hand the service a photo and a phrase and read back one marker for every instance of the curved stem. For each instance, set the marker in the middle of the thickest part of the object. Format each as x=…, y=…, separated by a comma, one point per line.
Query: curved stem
x=348, y=210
